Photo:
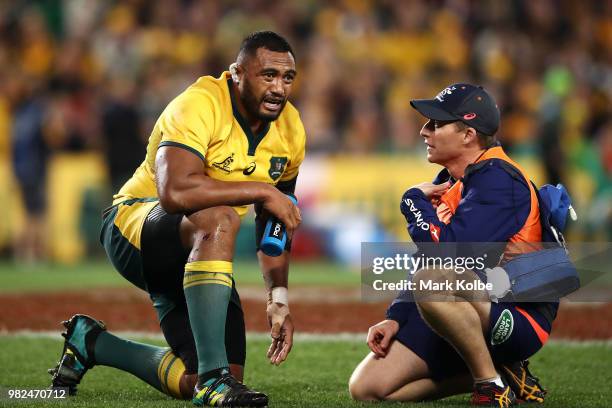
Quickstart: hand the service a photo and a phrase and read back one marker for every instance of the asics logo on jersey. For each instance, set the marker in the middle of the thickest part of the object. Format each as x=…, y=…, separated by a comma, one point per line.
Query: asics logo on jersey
x=250, y=169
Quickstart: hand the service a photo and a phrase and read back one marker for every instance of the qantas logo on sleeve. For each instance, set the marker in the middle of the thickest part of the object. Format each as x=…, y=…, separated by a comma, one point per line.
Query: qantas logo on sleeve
x=418, y=216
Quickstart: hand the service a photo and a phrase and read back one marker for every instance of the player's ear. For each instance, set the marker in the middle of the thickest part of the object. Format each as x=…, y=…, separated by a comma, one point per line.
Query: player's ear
x=233, y=68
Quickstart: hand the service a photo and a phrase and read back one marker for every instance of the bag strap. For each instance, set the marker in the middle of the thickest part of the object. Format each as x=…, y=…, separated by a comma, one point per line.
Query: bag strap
x=558, y=235
x=544, y=212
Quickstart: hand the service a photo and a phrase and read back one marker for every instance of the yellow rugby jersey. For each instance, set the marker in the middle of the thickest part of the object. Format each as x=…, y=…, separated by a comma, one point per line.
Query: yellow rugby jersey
x=205, y=120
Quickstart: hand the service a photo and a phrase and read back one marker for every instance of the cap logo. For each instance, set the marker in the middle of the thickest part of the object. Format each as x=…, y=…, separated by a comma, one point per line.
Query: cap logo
x=469, y=116
x=446, y=91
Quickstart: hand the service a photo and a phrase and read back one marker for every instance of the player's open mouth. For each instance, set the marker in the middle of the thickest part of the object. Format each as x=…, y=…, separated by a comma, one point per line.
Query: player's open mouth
x=272, y=104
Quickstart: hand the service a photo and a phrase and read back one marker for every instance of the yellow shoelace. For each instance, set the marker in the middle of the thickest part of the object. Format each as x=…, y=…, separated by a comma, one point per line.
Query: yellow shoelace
x=526, y=391
x=503, y=399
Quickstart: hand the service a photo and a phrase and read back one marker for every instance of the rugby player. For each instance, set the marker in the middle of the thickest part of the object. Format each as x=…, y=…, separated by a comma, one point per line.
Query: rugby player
x=222, y=144
x=431, y=349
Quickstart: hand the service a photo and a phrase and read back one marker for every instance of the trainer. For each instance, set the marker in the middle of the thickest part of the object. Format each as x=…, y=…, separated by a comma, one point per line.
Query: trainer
x=222, y=144
x=431, y=349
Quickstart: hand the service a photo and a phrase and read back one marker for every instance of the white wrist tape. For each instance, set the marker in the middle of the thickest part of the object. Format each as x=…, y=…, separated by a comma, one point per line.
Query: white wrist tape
x=280, y=295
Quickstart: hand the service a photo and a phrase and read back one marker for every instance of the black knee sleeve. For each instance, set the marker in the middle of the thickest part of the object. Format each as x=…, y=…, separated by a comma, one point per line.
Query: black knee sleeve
x=235, y=335
x=177, y=331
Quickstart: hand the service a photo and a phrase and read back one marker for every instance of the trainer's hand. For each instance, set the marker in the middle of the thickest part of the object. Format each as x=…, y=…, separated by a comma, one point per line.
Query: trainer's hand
x=433, y=191
x=380, y=336
x=281, y=206
x=281, y=332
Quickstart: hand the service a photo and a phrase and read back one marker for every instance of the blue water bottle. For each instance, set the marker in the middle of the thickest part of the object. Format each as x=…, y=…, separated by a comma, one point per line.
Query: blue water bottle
x=275, y=237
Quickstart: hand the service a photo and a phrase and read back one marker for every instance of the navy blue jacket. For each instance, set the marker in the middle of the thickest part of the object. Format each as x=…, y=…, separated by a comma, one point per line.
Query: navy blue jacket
x=494, y=206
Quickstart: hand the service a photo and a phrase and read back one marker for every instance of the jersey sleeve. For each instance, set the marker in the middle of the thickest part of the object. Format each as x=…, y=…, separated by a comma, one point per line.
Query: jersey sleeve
x=299, y=151
x=188, y=122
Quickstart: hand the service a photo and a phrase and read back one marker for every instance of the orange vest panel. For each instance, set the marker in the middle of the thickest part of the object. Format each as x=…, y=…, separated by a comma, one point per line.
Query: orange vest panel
x=530, y=232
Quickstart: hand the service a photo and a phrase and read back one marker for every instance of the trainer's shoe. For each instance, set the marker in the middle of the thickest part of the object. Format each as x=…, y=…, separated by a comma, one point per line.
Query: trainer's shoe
x=492, y=395
x=524, y=384
x=78, y=353
x=226, y=391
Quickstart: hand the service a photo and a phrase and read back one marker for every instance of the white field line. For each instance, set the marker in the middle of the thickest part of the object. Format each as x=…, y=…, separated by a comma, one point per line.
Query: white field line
x=299, y=337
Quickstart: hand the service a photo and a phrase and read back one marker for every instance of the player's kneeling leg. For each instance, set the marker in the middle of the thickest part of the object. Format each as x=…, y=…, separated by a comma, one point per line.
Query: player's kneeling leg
x=207, y=285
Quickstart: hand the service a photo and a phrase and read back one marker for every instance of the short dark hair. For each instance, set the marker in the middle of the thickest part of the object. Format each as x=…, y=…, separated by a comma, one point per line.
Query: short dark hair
x=264, y=39
x=485, y=141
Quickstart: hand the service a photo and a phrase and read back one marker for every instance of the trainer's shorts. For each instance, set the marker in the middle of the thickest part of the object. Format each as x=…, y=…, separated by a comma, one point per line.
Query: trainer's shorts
x=143, y=243
x=515, y=333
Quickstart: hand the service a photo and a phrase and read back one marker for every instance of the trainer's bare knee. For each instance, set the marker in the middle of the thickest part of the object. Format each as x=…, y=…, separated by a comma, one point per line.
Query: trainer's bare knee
x=361, y=392
x=363, y=387
x=434, y=285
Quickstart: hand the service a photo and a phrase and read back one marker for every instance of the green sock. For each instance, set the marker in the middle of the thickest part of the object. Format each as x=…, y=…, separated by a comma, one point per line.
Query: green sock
x=157, y=366
x=208, y=286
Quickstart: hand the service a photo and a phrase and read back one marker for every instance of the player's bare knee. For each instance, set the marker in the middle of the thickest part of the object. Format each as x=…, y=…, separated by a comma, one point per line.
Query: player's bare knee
x=226, y=220
x=215, y=224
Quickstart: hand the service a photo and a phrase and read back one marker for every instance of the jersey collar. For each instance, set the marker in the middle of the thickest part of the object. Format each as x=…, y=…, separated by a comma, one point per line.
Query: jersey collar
x=254, y=139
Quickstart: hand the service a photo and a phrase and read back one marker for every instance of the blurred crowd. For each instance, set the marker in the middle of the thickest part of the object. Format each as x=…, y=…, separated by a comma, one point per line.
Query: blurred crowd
x=93, y=75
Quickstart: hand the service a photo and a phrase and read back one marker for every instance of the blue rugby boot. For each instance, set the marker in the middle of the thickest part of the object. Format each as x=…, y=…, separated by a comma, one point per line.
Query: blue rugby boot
x=226, y=391
x=78, y=353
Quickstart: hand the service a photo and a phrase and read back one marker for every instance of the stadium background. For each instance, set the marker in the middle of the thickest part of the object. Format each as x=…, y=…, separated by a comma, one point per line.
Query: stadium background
x=82, y=82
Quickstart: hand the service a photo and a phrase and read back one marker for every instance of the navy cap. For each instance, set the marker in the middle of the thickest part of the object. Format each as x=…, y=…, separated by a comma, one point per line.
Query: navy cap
x=470, y=104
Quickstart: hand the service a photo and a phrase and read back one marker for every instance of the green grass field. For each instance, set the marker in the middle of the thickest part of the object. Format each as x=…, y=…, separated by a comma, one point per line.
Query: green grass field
x=48, y=278
x=577, y=375
x=316, y=374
